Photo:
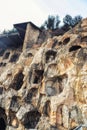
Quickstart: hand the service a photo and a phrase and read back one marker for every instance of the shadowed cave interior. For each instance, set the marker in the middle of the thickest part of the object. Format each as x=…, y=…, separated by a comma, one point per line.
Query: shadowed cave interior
x=2, y=124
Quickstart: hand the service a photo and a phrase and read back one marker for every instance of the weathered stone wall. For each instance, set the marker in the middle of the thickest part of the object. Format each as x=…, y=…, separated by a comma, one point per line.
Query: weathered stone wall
x=34, y=37
x=46, y=88
x=31, y=36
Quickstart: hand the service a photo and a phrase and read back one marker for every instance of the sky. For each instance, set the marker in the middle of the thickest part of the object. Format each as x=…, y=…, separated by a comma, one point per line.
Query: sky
x=37, y=11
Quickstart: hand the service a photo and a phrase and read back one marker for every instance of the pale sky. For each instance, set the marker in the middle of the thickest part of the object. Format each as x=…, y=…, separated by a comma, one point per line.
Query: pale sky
x=37, y=11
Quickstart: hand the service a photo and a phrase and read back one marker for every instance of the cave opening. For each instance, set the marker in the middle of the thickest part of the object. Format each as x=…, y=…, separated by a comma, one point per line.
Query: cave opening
x=2, y=64
x=14, y=58
x=2, y=52
x=17, y=81
x=38, y=75
x=50, y=55
x=14, y=105
x=6, y=55
x=1, y=90
x=31, y=119
x=47, y=109
x=32, y=93
x=2, y=124
x=84, y=39
x=74, y=48
x=30, y=55
x=59, y=43
x=66, y=40
x=55, y=43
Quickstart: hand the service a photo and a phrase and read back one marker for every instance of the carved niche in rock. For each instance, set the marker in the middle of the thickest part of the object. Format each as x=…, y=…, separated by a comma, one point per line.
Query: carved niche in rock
x=84, y=39
x=6, y=55
x=50, y=55
x=66, y=40
x=14, y=57
x=74, y=48
x=31, y=119
x=17, y=81
x=36, y=76
x=3, y=119
x=55, y=85
x=46, y=108
x=14, y=106
x=32, y=93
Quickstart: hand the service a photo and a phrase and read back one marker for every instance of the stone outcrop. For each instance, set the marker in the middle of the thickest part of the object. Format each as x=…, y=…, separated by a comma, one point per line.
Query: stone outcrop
x=44, y=86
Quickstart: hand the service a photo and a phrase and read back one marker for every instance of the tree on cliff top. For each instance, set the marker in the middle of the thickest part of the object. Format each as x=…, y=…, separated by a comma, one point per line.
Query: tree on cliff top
x=71, y=22
x=51, y=23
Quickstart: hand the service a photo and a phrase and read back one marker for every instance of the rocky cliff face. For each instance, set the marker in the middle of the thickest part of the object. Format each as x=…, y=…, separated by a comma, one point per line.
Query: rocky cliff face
x=45, y=87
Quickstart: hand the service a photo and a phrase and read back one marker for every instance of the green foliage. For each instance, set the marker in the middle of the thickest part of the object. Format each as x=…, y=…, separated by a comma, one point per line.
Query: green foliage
x=13, y=30
x=57, y=21
x=71, y=22
x=68, y=20
x=77, y=19
x=51, y=23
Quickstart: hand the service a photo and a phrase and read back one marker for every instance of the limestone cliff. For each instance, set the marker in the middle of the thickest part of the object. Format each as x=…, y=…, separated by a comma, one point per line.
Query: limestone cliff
x=44, y=85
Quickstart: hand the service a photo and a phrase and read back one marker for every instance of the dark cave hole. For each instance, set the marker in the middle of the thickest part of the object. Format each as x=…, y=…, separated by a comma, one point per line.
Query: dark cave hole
x=84, y=39
x=2, y=52
x=30, y=55
x=2, y=124
x=6, y=56
x=14, y=58
x=2, y=64
x=50, y=55
x=59, y=43
x=1, y=90
x=32, y=93
x=31, y=119
x=66, y=40
x=55, y=43
x=74, y=48
x=38, y=75
x=47, y=108
x=17, y=81
x=14, y=103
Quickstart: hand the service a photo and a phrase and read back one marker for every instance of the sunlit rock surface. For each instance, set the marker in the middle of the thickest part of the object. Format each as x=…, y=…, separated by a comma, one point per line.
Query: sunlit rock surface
x=44, y=87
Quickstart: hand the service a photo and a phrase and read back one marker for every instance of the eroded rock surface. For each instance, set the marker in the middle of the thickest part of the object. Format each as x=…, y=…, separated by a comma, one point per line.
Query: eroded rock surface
x=45, y=87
